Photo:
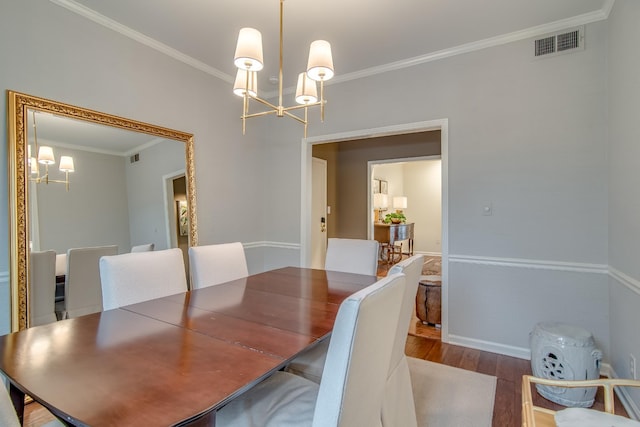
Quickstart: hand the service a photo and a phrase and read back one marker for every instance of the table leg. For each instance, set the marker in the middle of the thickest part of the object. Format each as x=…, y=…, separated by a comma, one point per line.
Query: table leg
x=17, y=398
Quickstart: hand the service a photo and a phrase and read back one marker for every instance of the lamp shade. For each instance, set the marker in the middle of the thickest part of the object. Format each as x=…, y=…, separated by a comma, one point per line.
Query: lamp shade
x=306, y=91
x=320, y=65
x=45, y=155
x=66, y=164
x=239, y=87
x=400, y=202
x=380, y=201
x=249, y=50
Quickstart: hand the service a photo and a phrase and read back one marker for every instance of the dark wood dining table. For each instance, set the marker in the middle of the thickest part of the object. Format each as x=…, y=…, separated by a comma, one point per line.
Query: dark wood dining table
x=174, y=360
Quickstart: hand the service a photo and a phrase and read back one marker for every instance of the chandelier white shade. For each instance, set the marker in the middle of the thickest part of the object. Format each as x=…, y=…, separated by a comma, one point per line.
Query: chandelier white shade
x=47, y=158
x=240, y=85
x=66, y=164
x=249, y=50
x=320, y=65
x=248, y=59
x=306, y=90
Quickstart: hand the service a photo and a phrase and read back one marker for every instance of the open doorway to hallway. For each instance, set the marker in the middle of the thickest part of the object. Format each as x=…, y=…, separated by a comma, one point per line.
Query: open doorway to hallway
x=349, y=189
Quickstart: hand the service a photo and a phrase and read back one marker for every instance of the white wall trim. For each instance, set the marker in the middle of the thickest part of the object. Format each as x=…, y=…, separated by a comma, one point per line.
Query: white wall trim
x=428, y=253
x=268, y=244
x=625, y=280
x=531, y=32
x=531, y=263
x=527, y=33
x=109, y=23
x=508, y=350
x=305, y=190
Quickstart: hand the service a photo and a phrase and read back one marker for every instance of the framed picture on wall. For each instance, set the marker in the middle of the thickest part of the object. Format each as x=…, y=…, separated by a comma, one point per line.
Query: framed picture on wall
x=375, y=185
x=183, y=217
x=384, y=187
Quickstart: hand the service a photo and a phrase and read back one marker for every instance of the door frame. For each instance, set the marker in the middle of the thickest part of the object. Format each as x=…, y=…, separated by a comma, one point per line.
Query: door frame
x=305, y=190
x=323, y=164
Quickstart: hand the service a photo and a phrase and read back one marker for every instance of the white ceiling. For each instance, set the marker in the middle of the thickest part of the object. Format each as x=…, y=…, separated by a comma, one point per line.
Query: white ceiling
x=366, y=35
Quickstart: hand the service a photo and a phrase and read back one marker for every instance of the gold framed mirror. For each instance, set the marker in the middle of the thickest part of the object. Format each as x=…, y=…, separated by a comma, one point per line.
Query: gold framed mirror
x=20, y=107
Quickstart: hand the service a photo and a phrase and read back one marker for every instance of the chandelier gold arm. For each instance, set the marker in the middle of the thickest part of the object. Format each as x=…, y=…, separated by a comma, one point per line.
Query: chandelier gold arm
x=279, y=110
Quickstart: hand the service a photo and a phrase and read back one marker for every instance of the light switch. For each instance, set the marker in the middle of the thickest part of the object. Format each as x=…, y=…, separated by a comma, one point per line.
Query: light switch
x=487, y=209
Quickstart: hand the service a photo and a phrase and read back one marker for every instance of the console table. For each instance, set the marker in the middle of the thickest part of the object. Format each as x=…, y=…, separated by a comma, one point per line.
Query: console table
x=389, y=234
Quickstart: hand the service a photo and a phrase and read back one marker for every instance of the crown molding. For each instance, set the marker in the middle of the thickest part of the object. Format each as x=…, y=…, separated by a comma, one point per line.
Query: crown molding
x=531, y=32
x=109, y=23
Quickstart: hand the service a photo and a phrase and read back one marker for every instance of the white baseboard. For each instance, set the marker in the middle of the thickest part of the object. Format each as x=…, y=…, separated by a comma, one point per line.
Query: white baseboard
x=507, y=350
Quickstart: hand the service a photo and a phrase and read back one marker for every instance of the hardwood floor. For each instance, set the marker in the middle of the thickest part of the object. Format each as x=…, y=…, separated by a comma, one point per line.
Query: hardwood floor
x=508, y=370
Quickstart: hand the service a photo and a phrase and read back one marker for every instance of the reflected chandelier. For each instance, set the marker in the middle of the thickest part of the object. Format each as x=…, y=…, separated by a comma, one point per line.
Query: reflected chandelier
x=248, y=59
x=46, y=158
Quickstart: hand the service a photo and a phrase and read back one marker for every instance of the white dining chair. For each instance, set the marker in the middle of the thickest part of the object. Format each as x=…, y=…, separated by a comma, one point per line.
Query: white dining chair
x=82, y=293
x=352, y=256
x=8, y=416
x=42, y=288
x=136, y=277
x=353, y=384
x=398, y=406
x=143, y=248
x=215, y=264
x=61, y=264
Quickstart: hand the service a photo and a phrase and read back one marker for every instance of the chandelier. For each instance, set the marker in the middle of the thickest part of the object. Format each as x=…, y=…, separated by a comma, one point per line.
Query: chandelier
x=46, y=158
x=248, y=59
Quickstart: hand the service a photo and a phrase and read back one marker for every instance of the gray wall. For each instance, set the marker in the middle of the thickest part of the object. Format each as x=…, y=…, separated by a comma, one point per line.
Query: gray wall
x=530, y=136
x=94, y=210
x=527, y=135
x=624, y=176
x=50, y=52
x=145, y=191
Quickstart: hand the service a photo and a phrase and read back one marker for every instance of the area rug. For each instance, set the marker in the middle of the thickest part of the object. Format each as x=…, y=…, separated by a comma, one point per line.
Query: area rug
x=451, y=397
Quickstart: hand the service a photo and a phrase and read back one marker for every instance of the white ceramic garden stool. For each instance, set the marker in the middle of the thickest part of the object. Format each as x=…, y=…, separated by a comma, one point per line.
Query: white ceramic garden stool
x=565, y=352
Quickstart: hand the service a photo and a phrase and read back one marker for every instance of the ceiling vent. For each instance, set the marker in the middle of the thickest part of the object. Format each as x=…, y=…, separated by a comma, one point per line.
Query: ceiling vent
x=135, y=158
x=560, y=42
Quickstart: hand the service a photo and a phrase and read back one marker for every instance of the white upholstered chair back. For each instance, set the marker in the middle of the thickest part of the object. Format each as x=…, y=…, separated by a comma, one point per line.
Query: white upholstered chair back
x=136, y=277
x=398, y=406
x=82, y=293
x=352, y=256
x=353, y=383
x=42, y=288
x=215, y=264
x=143, y=248
x=8, y=417
x=61, y=264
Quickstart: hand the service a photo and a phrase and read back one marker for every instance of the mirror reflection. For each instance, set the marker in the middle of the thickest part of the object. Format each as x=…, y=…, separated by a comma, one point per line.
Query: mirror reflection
x=91, y=184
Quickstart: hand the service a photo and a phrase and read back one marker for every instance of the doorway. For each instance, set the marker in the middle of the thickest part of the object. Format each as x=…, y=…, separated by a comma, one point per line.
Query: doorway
x=366, y=134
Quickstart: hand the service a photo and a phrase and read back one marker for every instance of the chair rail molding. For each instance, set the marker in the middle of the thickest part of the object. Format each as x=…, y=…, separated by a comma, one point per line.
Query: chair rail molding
x=625, y=280
x=531, y=263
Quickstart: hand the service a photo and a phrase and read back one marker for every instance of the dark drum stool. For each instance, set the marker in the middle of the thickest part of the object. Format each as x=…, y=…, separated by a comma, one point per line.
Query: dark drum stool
x=429, y=300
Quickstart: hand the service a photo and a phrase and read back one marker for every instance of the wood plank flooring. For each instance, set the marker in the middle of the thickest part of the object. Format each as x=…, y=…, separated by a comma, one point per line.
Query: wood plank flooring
x=508, y=370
